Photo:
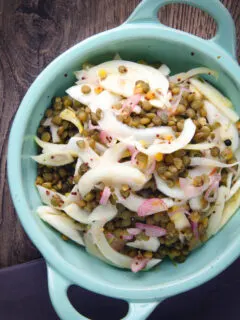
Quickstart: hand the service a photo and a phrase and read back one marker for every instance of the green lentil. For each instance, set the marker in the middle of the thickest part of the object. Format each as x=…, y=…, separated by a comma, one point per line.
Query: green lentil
x=170, y=183
x=181, y=109
x=179, y=153
x=191, y=113
x=168, y=159
x=203, y=112
x=145, y=121
x=45, y=136
x=215, y=151
x=89, y=196
x=178, y=163
x=168, y=174
x=148, y=254
x=48, y=113
x=161, y=168
x=67, y=102
x=86, y=65
x=227, y=154
x=40, y=130
x=180, y=125
x=98, y=114
x=197, y=104
x=157, y=121
x=48, y=177
x=39, y=180
x=198, y=181
x=142, y=236
x=56, y=201
x=191, y=97
x=146, y=105
x=151, y=115
x=186, y=161
x=57, y=120
x=202, y=121
x=82, y=116
x=176, y=90
x=122, y=69
x=85, y=89
x=142, y=85
x=173, y=169
x=164, y=118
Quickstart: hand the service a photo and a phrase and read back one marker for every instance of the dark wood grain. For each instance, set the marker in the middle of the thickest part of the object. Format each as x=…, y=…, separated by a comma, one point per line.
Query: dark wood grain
x=33, y=33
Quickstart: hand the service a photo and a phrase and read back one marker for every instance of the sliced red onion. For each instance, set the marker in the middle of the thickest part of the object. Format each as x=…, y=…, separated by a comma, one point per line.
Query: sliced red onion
x=127, y=237
x=161, y=113
x=151, y=168
x=133, y=157
x=195, y=229
x=188, y=189
x=109, y=236
x=133, y=231
x=213, y=188
x=117, y=244
x=131, y=102
x=176, y=101
x=105, y=196
x=150, y=230
x=138, y=263
x=151, y=206
x=92, y=127
x=131, y=149
x=105, y=138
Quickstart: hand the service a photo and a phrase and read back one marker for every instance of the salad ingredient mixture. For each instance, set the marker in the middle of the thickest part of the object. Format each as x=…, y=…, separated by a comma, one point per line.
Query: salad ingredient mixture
x=137, y=165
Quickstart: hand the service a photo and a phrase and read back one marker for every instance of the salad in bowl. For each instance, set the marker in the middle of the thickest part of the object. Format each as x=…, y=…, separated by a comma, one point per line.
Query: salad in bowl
x=137, y=165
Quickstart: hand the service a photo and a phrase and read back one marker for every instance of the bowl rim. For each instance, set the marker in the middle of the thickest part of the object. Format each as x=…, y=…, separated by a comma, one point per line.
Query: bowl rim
x=68, y=271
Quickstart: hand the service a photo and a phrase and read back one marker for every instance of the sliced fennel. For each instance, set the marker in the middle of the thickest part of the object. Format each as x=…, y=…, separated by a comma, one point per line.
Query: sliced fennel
x=54, y=159
x=183, y=76
x=214, y=96
x=152, y=244
x=61, y=223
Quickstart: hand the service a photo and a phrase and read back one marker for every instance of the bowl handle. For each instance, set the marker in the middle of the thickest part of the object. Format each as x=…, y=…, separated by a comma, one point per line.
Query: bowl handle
x=140, y=311
x=147, y=11
x=58, y=286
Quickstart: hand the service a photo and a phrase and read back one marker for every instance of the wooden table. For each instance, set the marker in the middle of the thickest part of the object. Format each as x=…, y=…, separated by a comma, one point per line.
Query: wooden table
x=32, y=34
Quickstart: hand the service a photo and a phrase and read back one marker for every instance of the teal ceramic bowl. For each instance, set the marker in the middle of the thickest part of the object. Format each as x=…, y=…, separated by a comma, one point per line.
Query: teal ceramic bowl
x=141, y=36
